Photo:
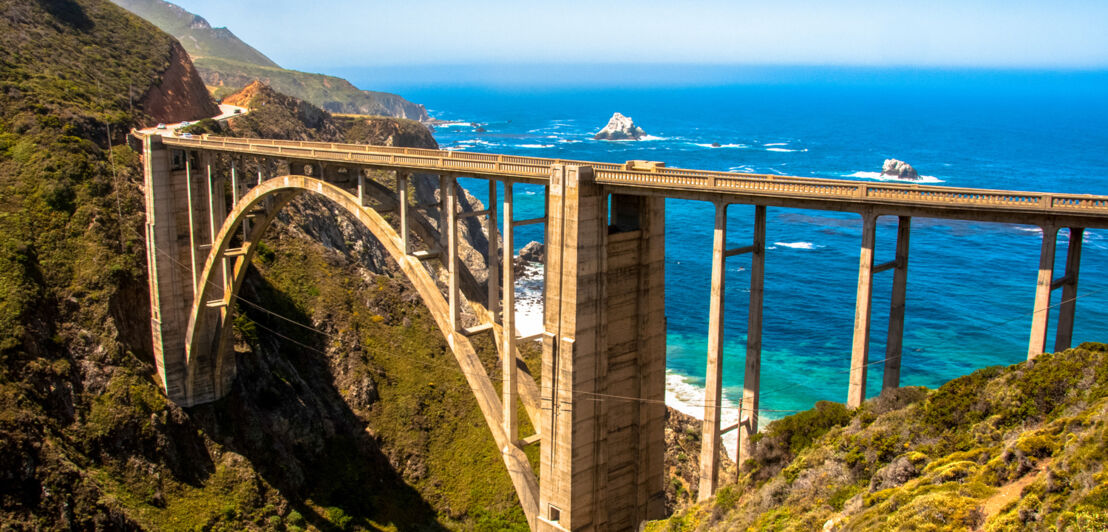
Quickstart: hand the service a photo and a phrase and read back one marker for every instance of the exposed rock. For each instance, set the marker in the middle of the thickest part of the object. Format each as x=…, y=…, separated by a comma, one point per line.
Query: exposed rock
x=620, y=128
x=532, y=252
x=181, y=95
x=716, y=145
x=899, y=169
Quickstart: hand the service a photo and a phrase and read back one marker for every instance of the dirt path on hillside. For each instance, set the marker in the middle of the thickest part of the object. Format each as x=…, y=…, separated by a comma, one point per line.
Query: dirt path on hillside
x=1010, y=492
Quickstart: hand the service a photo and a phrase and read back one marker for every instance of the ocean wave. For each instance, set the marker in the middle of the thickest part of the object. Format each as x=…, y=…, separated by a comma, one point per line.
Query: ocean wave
x=703, y=145
x=688, y=398
x=534, y=145
x=878, y=176
x=776, y=144
x=529, y=319
x=785, y=150
x=451, y=124
x=1033, y=230
x=795, y=245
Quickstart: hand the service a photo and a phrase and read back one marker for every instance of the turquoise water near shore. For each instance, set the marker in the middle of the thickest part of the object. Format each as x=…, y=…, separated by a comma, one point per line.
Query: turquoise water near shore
x=970, y=285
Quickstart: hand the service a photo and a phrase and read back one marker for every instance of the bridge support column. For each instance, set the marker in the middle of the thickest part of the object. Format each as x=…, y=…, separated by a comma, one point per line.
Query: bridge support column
x=894, y=347
x=748, y=417
x=603, y=350
x=509, y=384
x=1063, y=337
x=860, y=352
x=449, y=208
x=710, y=442
x=1041, y=316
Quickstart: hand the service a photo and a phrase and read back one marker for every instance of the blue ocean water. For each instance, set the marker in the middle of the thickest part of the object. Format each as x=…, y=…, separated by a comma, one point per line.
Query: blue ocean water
x=970, y=285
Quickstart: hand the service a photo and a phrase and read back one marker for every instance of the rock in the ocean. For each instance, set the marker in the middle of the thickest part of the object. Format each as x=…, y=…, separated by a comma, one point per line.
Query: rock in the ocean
x=532, y=252
x=620, y=128
x=899, y=169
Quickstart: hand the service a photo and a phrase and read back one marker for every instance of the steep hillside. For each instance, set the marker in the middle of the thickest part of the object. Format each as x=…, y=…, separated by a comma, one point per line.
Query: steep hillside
x=227, y=64
x=323, y=430
x=198, y=37
x=1017, y=448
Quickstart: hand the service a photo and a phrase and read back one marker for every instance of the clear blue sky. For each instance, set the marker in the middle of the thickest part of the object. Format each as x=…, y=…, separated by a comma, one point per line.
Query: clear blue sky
x=951, y=33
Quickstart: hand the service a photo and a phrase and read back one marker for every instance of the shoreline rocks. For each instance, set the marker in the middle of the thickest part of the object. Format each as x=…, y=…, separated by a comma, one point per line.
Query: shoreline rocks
x=899, y=169
x=620, y=128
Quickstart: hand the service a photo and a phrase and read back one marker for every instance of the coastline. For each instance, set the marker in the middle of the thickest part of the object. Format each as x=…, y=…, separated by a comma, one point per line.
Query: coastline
x=682, y=394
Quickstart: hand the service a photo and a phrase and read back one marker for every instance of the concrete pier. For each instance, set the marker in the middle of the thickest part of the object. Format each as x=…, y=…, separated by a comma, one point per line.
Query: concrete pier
x=602, y=350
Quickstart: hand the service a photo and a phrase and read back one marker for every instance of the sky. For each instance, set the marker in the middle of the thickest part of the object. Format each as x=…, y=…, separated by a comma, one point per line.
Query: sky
x=1058, y=34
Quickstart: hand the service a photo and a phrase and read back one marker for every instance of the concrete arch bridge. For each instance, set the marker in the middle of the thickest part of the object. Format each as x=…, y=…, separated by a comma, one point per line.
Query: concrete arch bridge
x=601, y=461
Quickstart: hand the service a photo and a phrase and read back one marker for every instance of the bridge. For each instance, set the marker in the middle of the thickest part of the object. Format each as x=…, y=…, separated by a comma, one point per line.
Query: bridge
x=209, y=201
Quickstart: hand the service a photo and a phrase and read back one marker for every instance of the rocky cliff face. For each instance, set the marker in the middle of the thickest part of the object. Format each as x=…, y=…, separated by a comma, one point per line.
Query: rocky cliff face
x=181, y=94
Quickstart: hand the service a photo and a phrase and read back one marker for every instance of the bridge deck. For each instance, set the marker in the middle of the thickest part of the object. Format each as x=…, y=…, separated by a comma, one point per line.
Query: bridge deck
x=909, y=199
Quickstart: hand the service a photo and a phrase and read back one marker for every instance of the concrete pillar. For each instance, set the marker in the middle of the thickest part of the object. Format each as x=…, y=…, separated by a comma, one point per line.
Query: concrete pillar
x=361, y=188
x=189, y=185
x=442, y=211
x=860, y=351
x=493, y=258
x=1041, y=316
x=602, y=458
x=894, y=348
x=509, y=386
x=748, y=417
x=570, y=433
x=1063, y=337
x=170, y=279
x=713, y=381
x=402, y=198
x=450, y=233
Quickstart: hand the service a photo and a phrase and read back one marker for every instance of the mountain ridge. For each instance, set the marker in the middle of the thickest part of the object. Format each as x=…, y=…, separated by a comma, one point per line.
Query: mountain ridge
x=227, y=64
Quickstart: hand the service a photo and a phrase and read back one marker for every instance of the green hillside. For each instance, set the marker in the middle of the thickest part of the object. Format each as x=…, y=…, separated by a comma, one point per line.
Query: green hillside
x=1017, y=448
x=198, y=37
x=227, y=64
x=367, y=426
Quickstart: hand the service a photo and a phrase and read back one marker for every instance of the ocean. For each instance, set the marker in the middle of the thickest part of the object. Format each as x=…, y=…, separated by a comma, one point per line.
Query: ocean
x=970, y=285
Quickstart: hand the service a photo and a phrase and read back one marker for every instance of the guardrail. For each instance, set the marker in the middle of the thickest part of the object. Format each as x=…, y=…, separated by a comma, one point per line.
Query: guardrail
x=658, y=176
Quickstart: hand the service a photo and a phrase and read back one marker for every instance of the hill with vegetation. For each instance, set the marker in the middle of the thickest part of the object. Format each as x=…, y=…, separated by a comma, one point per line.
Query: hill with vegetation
x=1017, y=448
x=227, y=64
x=197, y=36
x=361, y=422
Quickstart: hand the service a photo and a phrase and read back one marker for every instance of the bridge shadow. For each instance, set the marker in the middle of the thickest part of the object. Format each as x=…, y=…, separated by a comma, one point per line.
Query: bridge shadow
x=286, y=417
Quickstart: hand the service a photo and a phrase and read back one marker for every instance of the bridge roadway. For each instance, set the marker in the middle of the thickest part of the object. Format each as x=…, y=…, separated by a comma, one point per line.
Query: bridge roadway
x=646, y=177
x=598, y=414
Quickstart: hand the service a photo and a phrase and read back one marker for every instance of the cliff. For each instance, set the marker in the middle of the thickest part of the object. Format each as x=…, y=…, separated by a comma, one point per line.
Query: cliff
x=1016, y=448
x=181, y=94
x=227, y=64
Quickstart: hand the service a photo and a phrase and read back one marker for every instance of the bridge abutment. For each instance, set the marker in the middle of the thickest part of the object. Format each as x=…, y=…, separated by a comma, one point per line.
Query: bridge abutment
x=603, y=353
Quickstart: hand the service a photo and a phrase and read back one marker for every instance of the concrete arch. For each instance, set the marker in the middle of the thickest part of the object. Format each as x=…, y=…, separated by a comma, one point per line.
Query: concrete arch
x=207, y=343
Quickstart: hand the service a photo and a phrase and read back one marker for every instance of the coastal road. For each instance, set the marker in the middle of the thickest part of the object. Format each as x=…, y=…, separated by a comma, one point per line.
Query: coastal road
x=225, y=112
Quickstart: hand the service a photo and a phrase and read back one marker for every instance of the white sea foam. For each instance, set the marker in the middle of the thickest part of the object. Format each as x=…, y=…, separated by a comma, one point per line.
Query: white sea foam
x=534, y=145
x=703, y=145
x=688, y=398
x=785, y=150
x=795, y=245
x=776, y=144
x=878, y=176
x=529, y=300
x=1033, y=230
x=451, y=124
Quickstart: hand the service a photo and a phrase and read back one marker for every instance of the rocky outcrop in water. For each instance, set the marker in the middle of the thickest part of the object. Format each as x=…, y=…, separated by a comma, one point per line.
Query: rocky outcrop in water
x=899, y=169
x=620, y=128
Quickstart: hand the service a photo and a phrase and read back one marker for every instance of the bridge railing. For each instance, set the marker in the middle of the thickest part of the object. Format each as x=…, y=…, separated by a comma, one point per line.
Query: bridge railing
x=658, y=176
